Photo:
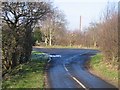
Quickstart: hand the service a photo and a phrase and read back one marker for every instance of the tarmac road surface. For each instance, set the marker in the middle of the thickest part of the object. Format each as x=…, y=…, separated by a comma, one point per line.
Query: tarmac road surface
x=67, y=70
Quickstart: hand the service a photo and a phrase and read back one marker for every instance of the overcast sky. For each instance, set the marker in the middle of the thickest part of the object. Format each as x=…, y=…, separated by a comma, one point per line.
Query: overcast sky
x=89, y=10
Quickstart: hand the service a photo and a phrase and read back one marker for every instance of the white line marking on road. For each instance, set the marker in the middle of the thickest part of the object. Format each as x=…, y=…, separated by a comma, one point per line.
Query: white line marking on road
x=65, y=68
x=74, y=78
x=49, y=60
x=84, y=53
x=79, y=82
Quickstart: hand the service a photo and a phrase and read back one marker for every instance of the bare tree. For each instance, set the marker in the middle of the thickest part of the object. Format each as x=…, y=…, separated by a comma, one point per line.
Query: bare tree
x=54, y=27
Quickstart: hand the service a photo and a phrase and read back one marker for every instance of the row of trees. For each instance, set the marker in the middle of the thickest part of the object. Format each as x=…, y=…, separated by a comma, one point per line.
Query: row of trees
x=105, y=34
x=29, y=23
x=19, y=20
x=51, y=31
x=102, y=34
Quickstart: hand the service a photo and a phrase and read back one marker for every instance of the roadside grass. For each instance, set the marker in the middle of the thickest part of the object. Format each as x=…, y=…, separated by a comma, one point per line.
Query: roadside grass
x=28, y=75
x=103, y=70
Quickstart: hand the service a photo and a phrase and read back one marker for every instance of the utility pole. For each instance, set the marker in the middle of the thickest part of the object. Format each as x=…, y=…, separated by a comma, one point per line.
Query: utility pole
x=80, y=23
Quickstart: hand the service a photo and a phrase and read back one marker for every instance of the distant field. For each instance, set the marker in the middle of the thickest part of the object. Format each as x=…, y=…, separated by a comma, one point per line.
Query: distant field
x=57, y=46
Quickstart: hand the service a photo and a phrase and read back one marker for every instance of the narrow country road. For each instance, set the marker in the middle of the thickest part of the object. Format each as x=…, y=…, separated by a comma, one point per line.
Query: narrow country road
x=68, y=70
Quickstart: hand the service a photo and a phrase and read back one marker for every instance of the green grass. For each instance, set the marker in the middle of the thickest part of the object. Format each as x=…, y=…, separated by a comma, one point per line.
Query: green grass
x=103, y=69
x=28, y=75
x=95, y=60
x=35, y=52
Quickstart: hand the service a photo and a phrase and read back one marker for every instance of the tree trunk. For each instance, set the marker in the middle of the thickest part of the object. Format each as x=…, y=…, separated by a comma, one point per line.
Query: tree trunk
x=14, y=59
x=50, y=41
x=46, y=40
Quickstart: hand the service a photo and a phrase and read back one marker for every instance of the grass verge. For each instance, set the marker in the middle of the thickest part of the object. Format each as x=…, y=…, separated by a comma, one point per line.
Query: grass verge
x=100, y=68
x=28, y=75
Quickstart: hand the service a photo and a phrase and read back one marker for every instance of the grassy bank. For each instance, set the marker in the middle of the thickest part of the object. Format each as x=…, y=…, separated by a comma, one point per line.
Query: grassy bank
x=102, y=69
x=28, y=75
